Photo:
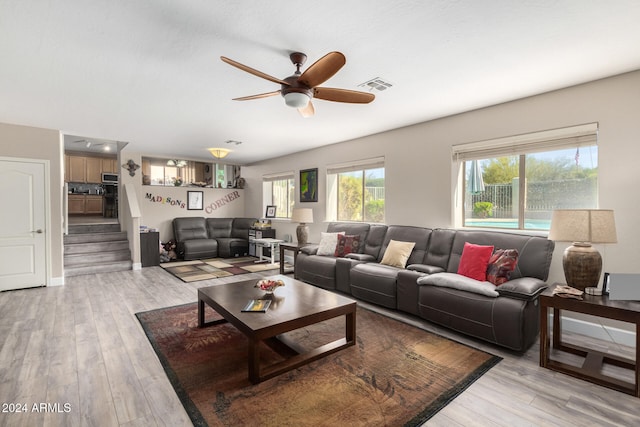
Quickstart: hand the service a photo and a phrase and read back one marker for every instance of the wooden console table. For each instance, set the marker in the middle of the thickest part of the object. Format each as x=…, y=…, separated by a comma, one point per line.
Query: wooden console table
x=293, y=247
x=591, y=370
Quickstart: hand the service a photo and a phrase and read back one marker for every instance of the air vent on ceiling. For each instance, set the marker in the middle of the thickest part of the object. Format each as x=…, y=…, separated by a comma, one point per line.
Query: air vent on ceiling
x=378, y=83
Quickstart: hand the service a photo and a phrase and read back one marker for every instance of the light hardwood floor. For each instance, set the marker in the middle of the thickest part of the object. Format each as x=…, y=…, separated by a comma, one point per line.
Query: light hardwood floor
x=80, y=345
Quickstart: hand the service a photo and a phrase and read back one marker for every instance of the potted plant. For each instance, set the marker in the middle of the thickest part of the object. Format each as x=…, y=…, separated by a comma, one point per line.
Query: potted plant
x=483, y=209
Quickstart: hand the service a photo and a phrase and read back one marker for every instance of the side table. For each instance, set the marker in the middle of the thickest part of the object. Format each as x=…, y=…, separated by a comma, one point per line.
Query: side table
x=591, y=370
x=293, y=247
x=272, y=244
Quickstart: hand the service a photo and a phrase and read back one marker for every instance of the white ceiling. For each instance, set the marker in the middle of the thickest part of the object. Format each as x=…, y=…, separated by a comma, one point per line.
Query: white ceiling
x=148, y=72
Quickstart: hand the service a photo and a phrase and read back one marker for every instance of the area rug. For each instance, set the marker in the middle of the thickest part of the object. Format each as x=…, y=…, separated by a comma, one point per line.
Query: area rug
x=395, y=375
x=213, y=268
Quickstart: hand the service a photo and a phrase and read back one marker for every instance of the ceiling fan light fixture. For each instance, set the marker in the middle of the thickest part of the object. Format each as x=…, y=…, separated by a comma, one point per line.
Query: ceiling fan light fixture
x=219, y=153
x=296, y=99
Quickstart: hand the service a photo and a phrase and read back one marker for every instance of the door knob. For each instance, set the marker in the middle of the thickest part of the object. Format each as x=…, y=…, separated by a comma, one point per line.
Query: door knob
x=39, y=231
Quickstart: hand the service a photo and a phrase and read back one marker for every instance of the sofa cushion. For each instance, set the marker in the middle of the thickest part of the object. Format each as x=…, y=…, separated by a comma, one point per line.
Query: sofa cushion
x=397, y=253
x=328, y=243
x=347, y=244
x=462, y=283
x=501, y=264
x=474, y=261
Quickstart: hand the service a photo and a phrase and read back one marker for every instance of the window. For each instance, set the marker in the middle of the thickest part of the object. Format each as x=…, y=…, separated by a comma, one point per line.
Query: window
x=355, y=191
x=517, y=182
x=279, y=190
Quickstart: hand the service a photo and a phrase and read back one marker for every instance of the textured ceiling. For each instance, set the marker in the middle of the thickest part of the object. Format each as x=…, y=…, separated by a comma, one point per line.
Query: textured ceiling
x=148, y=72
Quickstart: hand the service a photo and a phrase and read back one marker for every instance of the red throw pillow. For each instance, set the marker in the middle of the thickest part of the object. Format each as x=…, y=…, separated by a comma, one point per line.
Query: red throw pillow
x=347, y=244
x=474, y=261
x=501, y=264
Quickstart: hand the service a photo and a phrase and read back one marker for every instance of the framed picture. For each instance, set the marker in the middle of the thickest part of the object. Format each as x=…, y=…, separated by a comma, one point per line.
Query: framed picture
x=195, y=200
x=606, y=285
x=309, y=185
x=271, y=212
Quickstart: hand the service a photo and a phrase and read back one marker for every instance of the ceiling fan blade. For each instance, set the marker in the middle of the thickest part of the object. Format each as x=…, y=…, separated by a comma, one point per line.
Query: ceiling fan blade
x=253, y=71
x=343, y=95
x=323, y=69
x=307, y=111
x=261, y=95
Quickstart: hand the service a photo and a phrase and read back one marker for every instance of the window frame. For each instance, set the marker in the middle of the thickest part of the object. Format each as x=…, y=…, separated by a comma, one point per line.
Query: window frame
x=574, y=137
x=268, y=196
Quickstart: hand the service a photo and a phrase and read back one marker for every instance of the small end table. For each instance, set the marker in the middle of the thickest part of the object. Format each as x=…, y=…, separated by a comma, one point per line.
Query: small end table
x=293, y=247
x=591, y=370
x=272, y=244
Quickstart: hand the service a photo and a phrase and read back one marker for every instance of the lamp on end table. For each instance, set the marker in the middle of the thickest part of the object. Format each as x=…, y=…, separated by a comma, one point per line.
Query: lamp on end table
x=303, y=216
x=581, y=262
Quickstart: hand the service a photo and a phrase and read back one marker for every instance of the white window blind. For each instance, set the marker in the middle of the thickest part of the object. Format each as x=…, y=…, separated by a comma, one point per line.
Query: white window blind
x=374, y=163
x=278, y=176
x=548, y=140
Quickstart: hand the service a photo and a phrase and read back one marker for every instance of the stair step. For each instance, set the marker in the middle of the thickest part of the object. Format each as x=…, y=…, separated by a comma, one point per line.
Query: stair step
x=101, y=247
x=93, y=228
x=82, y=269
x=95, y=237
x=97, y=257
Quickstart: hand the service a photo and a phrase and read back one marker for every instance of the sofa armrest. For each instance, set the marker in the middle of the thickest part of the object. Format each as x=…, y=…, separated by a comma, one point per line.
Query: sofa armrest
x=524, y=288
x=361, y=257
x=309, y=249
x=423, y=268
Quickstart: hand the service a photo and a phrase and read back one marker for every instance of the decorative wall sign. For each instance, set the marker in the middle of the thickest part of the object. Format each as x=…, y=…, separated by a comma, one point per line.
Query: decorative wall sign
x=169, y=201
x=309, y=185
x=222, y=201
x=195, y=200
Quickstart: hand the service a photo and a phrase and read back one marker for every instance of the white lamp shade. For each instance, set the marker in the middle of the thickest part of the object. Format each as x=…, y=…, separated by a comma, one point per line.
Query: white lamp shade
x=302, y=215
x=296, y=99
x=583, y=225
x=219, y=153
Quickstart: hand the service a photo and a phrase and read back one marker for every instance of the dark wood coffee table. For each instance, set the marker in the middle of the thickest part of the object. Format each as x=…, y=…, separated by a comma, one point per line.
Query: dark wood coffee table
x=299, y=305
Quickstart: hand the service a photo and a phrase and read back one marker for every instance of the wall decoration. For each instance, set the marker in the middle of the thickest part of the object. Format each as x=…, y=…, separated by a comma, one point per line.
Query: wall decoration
x=271, y=212
x=222, y=201
x=131, y=166
x=309, y=185
x=195, y=200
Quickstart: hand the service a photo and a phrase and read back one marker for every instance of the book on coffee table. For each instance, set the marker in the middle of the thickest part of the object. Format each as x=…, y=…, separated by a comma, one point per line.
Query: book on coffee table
x=257, y=305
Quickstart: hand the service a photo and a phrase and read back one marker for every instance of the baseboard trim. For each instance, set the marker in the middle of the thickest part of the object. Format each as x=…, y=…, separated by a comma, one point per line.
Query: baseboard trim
x=136, y=266
x=599, y=331
x=56, y=281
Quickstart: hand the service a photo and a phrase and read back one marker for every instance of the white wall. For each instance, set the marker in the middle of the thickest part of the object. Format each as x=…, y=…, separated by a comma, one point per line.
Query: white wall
x=419, y=181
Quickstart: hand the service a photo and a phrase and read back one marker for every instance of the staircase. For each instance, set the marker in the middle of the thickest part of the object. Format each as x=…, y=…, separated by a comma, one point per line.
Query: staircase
x=95, y=248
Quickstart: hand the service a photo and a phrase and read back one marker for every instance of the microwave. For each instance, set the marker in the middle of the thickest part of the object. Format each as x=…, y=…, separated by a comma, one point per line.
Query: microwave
x=109, y=178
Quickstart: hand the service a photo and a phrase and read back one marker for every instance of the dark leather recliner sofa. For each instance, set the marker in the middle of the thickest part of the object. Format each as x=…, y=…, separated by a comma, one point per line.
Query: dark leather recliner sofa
x=511, y=319
x=198, y=237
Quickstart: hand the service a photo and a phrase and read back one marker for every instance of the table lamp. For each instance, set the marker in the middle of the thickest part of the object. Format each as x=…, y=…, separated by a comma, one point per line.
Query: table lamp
x=581, y=262
x=303, y=216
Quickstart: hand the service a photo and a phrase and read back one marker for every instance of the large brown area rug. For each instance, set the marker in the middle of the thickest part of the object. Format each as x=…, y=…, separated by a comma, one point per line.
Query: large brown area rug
x=395, y=375
x=214, y=268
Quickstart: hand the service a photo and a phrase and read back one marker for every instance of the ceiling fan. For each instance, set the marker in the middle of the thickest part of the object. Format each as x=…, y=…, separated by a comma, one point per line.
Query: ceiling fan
x=299, y=88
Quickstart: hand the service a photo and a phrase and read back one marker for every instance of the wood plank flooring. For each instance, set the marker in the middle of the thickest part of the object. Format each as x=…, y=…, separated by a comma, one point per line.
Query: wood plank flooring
x=79, y=350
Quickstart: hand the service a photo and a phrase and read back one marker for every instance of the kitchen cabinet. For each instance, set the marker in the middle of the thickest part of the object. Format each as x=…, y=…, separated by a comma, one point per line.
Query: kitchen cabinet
x=85, y=204
x=76, y=204
x=109, y=165
x=77, y=169
x=94, y=170
x=93, y=205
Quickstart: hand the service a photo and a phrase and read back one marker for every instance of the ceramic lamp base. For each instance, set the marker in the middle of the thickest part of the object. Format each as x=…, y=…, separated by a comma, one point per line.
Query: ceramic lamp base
x=582, y=266
x=302, y=233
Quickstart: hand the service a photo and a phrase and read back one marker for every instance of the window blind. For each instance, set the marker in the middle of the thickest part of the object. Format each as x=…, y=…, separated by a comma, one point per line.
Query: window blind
x=278, y=176
x=548, y=140
x=374, y=163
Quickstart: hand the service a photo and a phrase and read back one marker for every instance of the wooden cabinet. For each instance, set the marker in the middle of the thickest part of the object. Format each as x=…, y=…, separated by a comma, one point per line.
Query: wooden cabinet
x=77, y=169
x=93, y=205
x=150, y=248
x=76, y=204
x=88, y=169
x=85, y=204
x=109, y=165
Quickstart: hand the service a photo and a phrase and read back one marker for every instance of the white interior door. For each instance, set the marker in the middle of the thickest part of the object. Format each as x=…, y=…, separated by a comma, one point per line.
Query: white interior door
x=22, y=228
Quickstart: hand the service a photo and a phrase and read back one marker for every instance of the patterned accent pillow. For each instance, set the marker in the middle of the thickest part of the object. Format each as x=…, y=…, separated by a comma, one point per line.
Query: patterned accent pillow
x=328, y=243
x=347, y=244
x=501, y=264
x=474, y=261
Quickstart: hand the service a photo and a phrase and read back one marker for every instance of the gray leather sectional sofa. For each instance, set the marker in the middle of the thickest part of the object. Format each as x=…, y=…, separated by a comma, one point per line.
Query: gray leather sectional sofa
x=508, y=317
x=198, y=237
